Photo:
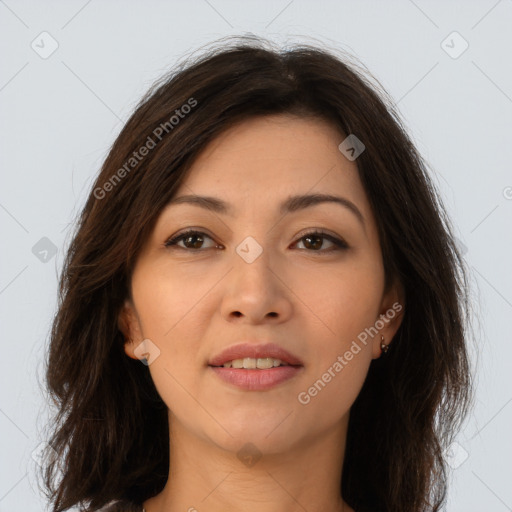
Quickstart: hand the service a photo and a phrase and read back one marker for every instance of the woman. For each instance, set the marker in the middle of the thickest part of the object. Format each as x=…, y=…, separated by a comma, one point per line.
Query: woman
x=263, y=305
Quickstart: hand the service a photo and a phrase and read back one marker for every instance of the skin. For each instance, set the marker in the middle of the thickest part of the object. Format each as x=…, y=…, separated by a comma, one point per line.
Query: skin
x=309, y=299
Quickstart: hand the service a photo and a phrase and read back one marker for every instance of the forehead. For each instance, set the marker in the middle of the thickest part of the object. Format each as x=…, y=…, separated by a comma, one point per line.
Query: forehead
x=274, y=156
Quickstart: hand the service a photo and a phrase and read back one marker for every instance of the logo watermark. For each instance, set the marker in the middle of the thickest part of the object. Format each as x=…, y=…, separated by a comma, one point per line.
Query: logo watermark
x=137, y=156
x=304, y=397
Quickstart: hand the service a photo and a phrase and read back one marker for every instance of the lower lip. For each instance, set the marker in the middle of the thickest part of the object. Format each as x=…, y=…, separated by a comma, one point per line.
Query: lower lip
x=256, y=380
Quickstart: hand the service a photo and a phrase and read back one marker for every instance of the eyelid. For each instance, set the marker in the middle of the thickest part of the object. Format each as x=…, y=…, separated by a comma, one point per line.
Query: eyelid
x=174, y=239
x=335, y=239
x=338, y=241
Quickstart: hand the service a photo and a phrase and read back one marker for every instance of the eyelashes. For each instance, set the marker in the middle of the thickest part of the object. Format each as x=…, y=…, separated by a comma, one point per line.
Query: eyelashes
x=190, y=234
x=195, y=237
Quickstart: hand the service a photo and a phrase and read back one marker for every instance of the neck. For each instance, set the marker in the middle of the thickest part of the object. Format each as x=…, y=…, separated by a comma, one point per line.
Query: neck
x=206, y=476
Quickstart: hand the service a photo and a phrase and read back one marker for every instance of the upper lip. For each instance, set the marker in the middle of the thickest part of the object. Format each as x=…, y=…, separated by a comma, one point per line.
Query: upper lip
x=242, y=350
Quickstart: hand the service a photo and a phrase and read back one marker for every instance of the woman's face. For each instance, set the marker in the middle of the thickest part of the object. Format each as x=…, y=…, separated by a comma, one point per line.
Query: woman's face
x=253, y=276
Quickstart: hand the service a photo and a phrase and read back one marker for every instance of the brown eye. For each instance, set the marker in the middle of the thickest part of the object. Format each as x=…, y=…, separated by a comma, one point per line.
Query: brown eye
x=192, y=240
x=195, y=241
x=315, y=240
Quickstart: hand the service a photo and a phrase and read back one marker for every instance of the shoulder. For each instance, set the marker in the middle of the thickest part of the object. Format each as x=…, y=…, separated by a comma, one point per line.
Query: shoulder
x=121, y=506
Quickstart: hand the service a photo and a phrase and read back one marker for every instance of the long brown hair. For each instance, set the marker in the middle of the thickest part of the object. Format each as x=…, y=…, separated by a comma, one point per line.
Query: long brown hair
x=109, y=437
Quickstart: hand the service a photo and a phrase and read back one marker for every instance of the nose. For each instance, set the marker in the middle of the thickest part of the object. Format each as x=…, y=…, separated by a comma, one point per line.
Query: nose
x=255, y=291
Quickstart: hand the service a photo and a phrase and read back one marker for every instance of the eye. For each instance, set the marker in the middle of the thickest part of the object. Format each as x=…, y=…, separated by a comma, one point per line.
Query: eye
x=192, y=239
x=315, y=239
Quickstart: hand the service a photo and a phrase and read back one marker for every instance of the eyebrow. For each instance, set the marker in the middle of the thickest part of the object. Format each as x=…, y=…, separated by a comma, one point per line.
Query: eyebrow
x=289, y=205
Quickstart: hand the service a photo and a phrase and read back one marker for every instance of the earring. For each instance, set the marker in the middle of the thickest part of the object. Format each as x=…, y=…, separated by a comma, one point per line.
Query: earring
x=383, y=346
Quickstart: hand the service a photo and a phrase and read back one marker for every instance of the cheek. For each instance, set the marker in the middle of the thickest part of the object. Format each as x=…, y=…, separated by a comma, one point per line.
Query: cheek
x=330, y=395
x=167, y=308
x=348, y=304
x=165, y=301
x=345, y=299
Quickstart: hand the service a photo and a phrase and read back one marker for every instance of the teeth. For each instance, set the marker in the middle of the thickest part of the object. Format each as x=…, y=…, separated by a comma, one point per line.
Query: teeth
x=250, y=363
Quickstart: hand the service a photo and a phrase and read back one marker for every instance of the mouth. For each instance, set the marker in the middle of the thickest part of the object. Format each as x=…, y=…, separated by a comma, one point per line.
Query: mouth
x=251, y=356
x=253, y=367
x=251, y=363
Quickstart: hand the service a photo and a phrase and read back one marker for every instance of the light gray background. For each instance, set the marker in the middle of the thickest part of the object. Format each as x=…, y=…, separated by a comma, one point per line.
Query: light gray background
x=61, y=114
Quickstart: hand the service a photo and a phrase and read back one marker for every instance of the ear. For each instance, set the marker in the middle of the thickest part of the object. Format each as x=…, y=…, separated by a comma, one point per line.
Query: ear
x=390, y=317
x=129, y=325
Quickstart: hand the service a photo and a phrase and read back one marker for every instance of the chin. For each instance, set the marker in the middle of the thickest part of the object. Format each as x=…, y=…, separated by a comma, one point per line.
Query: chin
x=270, y=435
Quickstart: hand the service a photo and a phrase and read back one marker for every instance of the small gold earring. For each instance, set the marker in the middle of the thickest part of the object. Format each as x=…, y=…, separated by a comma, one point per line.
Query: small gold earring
x=383, y=346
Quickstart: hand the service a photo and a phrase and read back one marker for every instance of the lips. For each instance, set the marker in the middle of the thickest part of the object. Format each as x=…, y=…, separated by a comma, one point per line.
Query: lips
x=254, y=351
